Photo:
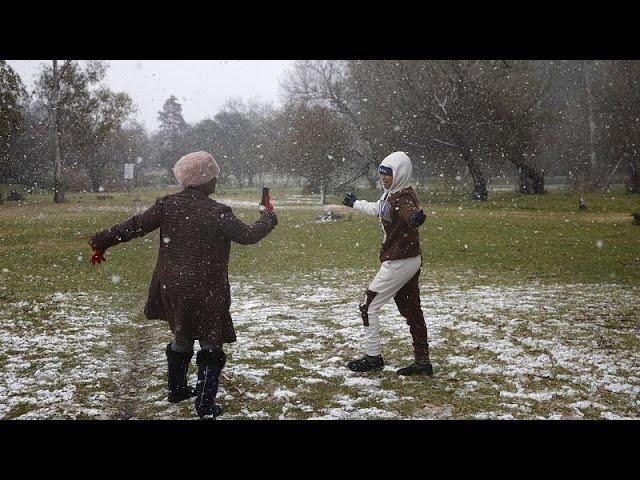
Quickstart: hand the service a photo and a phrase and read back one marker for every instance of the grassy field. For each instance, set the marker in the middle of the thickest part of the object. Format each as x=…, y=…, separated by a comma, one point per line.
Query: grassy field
x=531, y=307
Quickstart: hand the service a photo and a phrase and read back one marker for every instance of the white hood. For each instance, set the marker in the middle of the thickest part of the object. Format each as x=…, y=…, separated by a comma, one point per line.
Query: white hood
x=400, y=163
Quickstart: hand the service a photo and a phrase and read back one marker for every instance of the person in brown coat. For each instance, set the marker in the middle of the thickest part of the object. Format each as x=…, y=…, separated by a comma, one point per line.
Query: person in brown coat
x=400, y=216
x=190, y=286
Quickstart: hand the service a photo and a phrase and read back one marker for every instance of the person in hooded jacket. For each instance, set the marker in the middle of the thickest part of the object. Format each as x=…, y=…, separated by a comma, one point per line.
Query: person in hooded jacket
x=401, y=259
x=190, y=286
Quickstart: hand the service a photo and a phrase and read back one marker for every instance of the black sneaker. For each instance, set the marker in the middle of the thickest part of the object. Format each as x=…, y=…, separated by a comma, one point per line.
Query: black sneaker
x=367, y=364
x=417, y=369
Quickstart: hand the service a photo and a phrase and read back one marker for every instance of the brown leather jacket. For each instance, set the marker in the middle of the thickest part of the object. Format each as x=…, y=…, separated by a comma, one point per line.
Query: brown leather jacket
x=401, y=239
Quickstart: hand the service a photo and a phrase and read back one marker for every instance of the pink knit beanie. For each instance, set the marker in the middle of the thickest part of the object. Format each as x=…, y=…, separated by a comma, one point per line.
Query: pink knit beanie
x=195, y=169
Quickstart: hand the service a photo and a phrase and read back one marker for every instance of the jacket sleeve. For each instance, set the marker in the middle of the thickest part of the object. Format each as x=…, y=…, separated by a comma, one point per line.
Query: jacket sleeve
x=368, y=208
x=237, y=231
x=136, y=226
x=405, y=208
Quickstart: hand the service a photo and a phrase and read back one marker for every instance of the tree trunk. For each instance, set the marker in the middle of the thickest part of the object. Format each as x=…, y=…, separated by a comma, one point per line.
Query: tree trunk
x=633, y=182
x=96, y=181
x=531, y=178
x=322, y=193
x=313, y=185
x=479, y=182
x=593, y=180
x=58, y=188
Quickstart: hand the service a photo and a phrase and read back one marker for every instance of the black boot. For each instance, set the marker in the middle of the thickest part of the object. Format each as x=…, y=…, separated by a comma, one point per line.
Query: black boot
x=210, y=364
x=178, y=366
x=367, y=364
x=417, y=369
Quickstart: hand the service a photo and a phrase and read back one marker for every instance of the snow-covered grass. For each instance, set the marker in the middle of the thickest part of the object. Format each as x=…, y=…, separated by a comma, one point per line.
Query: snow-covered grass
x=60, y=356
x=532, y=313
x=528, y=351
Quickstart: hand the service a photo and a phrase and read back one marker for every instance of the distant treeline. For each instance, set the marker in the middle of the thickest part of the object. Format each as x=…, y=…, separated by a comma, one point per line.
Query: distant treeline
x=471, y=120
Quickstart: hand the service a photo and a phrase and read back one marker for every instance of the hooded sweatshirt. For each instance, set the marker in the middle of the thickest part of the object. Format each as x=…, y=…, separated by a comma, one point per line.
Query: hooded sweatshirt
x=394, y=210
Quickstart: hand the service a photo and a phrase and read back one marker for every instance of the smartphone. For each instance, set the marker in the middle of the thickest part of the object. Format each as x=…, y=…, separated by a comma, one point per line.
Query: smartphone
x=265, y=196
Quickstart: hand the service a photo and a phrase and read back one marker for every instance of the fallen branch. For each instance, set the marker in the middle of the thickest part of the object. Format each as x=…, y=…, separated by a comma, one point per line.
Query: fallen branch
x=233, y=385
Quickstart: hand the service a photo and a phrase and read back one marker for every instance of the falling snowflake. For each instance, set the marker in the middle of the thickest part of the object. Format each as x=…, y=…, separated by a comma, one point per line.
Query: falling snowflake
x=166, y=240
x=599, y=243
x=115, y=279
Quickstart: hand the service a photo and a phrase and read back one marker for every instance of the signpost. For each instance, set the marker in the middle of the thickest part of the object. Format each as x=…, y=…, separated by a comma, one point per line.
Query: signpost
x=128, y=175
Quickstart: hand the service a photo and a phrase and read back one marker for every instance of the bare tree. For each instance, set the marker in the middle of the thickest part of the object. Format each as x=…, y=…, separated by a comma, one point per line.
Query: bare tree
x=618, y=107
x=83, y=114
x=483, y=112
x=327, y=83
x=317, y=144
x=58, y=188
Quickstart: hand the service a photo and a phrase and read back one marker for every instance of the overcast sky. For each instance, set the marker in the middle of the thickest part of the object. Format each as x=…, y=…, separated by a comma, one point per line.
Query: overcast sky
x=201, y=86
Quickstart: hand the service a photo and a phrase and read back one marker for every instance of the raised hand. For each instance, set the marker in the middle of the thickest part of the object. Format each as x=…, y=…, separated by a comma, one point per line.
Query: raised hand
x=349, y=200
x=268, y=205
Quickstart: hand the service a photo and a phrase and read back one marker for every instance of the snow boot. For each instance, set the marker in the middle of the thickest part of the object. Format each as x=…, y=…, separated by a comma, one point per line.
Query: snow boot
x=417, y=369
x=178, y=363
x=210, y=364
x=367, y=364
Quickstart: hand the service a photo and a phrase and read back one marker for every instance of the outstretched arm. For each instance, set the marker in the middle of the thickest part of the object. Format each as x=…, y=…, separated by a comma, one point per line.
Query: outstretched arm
x=136, y=226
x=368, y=208
x=237, y=231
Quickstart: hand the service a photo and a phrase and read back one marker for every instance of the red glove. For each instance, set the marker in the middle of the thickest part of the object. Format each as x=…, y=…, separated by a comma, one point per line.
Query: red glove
x=98, y=256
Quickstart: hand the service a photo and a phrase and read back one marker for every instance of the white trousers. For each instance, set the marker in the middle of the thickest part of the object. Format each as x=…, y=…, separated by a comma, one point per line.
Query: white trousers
x=391, y=277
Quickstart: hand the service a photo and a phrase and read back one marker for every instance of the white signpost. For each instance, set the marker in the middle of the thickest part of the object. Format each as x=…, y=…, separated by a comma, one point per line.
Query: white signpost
x=128, y=171
x=128, y=175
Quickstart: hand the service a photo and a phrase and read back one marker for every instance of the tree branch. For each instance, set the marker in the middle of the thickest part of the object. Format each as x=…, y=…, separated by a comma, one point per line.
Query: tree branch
x=62, y=70
x=434, y=140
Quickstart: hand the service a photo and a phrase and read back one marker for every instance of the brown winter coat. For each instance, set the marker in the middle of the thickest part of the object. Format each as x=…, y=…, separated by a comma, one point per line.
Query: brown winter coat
x=401, y=238
x=190, y=287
